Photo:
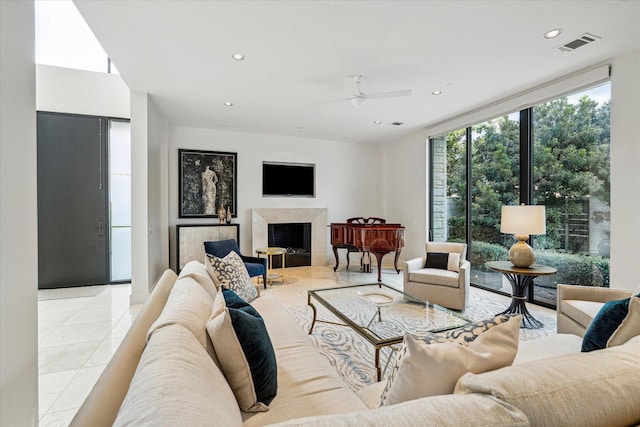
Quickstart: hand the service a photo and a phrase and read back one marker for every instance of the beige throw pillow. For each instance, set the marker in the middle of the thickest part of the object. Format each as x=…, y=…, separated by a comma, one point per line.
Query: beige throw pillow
x=433, y=369
x=231, y=273
x=630, y=326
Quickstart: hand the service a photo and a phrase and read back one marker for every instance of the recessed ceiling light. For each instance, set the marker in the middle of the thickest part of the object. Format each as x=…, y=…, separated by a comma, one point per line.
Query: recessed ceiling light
x=229, y=104
x=436, y=92
x=377, y=122
x=552, y=33
x=238, y=56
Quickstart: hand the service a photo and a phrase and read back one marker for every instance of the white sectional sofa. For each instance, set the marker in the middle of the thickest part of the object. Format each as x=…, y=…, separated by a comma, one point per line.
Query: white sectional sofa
x=172, y=378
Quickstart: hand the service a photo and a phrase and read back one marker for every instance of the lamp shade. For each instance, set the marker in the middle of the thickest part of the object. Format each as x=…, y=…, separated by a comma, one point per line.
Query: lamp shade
x=523, y=219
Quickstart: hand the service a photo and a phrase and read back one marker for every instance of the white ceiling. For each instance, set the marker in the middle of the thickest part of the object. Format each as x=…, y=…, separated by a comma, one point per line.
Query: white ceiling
x=300, y=56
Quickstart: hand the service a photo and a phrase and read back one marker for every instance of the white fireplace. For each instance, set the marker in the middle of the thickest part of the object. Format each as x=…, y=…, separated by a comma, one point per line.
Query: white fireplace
x=261, y=218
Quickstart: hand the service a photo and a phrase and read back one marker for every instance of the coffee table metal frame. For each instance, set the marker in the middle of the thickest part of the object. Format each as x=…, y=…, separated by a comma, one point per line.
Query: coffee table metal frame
x=364, y=331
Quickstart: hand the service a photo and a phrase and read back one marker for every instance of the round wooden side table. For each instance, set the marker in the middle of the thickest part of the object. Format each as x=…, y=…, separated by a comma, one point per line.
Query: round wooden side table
x=520, y=279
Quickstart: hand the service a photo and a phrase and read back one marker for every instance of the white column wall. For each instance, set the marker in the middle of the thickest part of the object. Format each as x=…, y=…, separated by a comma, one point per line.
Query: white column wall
x=140, y=227
x=625, y=181
x=18, y=217
x=405, y=190
x=158, y=186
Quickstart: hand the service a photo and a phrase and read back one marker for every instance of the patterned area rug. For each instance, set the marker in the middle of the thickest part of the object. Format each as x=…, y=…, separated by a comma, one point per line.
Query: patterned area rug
x=353, y=357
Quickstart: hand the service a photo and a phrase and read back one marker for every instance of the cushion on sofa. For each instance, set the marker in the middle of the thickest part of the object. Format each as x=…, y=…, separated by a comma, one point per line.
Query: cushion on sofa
x=599, y=388
x=231, y=272
x=307, y=383
x=547, y=346
x=629, y=327
x=198, y=272
x=604, y=324
x=177, y=384
x=424, y=369
x=435, y=276
x=436, y=411
x=189, y=305
x=244, y=349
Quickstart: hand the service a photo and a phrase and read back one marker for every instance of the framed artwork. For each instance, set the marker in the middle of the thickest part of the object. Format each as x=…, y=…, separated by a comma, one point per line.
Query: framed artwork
x=190, y=240
x=207, y=182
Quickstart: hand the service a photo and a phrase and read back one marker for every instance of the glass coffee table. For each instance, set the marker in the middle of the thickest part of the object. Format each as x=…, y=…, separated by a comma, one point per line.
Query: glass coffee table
x=382, y=314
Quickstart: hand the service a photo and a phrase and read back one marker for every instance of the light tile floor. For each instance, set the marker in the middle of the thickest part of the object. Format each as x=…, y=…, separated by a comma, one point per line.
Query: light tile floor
x=80, y=329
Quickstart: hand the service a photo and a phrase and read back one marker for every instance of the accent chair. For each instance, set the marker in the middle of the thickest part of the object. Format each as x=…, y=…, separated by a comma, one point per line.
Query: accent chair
x=442, y=276
x=255, y=266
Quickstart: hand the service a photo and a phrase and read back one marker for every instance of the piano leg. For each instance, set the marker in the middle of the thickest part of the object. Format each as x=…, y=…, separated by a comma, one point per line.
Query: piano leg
x=335, y=253
x=379, y=256
x=395, y=261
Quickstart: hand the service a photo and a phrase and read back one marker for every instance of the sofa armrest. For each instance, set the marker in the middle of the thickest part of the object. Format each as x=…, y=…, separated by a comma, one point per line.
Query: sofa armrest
x=465, y=273
x=103, y=402
x=589, y=293
x=413, y=264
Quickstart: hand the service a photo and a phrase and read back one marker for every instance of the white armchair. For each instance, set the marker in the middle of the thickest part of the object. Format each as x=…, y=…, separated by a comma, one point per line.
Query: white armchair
x=445, y=287
x=578, y=305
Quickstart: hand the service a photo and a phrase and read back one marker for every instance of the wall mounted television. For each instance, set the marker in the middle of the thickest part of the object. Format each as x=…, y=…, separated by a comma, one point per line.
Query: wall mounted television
x=288, y=179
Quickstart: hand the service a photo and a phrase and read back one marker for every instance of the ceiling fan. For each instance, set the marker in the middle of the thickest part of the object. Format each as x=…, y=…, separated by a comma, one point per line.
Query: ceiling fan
x=360, y=97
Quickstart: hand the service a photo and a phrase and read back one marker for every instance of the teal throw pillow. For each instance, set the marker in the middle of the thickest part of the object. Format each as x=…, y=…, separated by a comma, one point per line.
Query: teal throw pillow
x=604, y=324
x=242, y=344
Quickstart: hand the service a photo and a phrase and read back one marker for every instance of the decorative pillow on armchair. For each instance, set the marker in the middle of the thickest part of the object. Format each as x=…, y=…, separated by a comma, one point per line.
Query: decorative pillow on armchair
x=443, y=261
x=245, y=352
x=231, y=273
x=423, y=369
x=616, y=322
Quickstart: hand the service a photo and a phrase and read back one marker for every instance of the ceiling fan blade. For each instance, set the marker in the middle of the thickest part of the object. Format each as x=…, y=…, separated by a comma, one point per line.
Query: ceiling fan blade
x=406, y=92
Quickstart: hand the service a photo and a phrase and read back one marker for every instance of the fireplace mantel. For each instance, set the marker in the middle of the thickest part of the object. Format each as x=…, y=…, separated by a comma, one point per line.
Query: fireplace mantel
x=260, y=218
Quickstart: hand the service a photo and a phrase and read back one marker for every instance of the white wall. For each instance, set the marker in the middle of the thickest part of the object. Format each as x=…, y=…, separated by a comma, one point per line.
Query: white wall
x=65, y=90
x=158, y=144
x=405, y=190
x=348, y=180
x=625, y=181
x=18, y=218
x=149, y=196
x=625, y=158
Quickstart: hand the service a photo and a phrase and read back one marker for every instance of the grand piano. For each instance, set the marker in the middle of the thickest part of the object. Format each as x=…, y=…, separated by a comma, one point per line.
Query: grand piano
x=372, y=235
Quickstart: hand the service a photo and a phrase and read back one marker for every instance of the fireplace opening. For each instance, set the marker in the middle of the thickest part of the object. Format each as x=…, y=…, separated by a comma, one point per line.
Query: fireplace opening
x=296, y=239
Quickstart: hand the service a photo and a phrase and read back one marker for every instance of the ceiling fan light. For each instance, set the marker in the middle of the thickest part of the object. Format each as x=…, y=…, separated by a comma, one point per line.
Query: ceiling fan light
x=357, y=102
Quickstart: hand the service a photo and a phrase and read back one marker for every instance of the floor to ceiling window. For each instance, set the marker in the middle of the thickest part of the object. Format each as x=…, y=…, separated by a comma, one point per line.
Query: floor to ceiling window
x=554, y=154
x=571, y=171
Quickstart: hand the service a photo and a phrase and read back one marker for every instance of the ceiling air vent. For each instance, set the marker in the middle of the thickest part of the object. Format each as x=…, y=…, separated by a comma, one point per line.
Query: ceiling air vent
x=397, y=123
x=584, y=39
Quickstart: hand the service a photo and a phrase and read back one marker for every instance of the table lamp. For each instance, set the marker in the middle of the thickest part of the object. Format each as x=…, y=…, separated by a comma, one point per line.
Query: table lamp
x=522, y=221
